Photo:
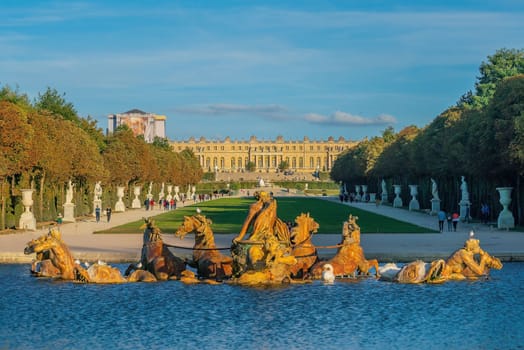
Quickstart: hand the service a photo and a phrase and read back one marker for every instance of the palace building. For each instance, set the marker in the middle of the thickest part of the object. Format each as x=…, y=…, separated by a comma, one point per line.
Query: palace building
x=233, y=156
x=141, y=123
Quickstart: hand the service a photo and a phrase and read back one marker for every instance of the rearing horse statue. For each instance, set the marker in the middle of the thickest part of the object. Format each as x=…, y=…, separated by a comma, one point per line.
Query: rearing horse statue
x=53, y=257
x=302, y=247
x=55, y=252
x=206, y=258
x=156, y=256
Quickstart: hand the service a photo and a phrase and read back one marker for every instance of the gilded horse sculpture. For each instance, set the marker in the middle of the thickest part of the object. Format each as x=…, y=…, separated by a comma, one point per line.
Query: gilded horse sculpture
x=51, y=247
x=156, y=256
x=303, y=249
x=210, y=263
x=350, y=258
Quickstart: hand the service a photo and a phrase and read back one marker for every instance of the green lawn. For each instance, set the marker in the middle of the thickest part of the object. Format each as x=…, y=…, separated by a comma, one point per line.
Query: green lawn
x=228, y=214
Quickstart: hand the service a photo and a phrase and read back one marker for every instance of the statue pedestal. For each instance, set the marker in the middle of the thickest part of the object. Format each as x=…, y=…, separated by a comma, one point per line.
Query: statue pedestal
x=384, y=197
x=435, y=206
x=120, y=207
x=464, y=210
x=372, y=197
x=97, y=203
x=27, y=221
x=69, y=212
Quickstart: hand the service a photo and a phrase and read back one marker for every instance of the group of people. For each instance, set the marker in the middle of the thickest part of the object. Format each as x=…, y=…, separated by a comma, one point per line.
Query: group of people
x=451, y=218
x=165, y=204
x=98, y=211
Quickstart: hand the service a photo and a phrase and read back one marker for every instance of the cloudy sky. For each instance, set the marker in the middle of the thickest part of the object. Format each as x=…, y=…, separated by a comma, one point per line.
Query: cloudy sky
x=265, y=68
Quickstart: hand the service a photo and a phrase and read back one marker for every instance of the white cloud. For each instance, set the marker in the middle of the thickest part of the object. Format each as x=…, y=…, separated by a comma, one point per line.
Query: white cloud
x=271, y=111
x=343, y=118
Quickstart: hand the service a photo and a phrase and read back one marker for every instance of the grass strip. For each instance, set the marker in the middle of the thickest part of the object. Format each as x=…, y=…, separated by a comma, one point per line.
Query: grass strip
x=228, y=214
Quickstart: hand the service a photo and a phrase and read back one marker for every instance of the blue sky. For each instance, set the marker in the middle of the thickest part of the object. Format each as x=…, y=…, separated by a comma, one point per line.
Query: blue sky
x=264, y=68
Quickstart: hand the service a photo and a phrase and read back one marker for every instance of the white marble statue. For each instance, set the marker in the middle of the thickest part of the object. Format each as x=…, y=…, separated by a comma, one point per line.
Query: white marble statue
x=98, y=191
x=434, y=189
x=464, y=189
x=69, y=192
x=161, y=194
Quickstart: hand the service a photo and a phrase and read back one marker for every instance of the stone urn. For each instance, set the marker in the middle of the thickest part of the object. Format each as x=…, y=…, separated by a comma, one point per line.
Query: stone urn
x=364, y=192
x=120, y=206
x=358, y=197
x=27, y=219
x=397, y=202
x=413, y=203
x=177, y=196
x=505, y=219
x=136, y=201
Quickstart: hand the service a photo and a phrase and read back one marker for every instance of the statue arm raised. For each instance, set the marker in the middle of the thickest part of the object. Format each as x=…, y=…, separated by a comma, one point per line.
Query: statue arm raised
x=253, y=210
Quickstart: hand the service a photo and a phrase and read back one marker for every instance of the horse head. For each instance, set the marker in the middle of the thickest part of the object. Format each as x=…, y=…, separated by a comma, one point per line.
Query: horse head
x=193, y=224
x=150, y=228
x=43, y=243
x=305, y=228
x=185, y=228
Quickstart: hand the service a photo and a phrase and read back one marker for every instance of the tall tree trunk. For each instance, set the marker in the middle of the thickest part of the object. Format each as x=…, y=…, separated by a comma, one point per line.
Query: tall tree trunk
x=519, y=208
x=2, y=213
x=41, y=194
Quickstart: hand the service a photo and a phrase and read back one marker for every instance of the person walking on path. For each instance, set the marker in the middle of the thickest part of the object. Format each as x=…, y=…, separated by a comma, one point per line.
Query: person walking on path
x=59, y=219
x=450, y=222
x=441, y=215
x=484, y=210
x=455, y=219
x=108, y=213
x=97, y=213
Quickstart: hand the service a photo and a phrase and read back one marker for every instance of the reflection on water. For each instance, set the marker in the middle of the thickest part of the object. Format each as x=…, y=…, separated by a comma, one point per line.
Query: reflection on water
x=364, y=314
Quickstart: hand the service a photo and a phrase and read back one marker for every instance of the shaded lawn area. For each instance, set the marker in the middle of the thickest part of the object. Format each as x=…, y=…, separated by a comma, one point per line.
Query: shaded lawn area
x=228, y=214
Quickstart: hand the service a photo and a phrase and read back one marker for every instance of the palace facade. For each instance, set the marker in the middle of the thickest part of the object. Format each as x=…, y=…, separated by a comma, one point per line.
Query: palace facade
x=233, y=156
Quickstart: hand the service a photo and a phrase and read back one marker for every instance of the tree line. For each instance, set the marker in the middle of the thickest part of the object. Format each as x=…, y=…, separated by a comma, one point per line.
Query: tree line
x=45, y=143
x=481, y=137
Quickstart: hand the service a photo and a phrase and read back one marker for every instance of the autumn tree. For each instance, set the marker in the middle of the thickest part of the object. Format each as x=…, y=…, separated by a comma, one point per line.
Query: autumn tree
x=15, y=142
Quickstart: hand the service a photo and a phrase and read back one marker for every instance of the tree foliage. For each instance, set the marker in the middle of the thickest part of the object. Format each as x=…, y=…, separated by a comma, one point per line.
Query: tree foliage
x=46, y=144
x=504, y=63
x=481, y=138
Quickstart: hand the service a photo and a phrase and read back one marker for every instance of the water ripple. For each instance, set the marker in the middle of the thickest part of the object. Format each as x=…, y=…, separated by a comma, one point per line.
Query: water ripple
x=363, y=314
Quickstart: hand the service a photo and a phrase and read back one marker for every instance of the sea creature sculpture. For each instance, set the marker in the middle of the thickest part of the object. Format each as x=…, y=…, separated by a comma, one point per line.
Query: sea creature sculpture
x=209, y=262
x=349, y=259
x=468, y=262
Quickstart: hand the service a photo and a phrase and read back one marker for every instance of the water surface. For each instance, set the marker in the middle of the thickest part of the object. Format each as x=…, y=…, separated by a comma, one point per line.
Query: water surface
x=363, y=314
